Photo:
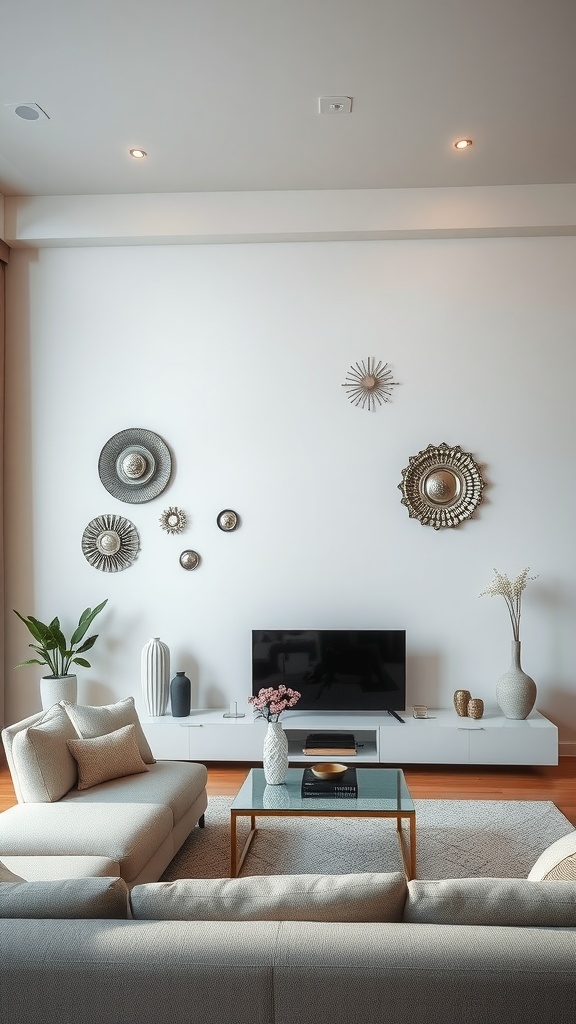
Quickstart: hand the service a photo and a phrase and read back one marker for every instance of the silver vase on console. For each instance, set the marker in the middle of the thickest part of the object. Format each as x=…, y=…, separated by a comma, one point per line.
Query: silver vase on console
x=155, y=675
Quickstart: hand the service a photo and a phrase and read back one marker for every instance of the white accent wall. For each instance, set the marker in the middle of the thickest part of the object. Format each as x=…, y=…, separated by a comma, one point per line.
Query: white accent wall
x=235, y=354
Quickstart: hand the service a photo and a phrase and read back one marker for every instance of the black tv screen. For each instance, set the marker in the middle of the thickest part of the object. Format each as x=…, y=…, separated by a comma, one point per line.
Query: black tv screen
x=334, y=670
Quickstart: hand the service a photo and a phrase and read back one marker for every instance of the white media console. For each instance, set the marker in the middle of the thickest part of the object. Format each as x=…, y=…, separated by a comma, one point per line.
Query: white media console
x=442, y=738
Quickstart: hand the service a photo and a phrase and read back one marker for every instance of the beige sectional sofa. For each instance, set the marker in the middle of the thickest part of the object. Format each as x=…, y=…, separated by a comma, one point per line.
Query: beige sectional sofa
x=92, y=799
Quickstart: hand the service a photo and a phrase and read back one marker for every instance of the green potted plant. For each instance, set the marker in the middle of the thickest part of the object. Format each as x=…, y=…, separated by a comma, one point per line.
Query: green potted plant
x=52, y=649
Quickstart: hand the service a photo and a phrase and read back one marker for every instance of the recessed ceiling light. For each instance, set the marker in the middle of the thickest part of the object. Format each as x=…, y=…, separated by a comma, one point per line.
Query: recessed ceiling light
x=462, y=143
x=27, y=111
x=138, y=154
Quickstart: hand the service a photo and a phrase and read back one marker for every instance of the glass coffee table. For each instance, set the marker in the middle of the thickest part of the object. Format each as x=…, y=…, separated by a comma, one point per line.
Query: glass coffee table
x=382, y=793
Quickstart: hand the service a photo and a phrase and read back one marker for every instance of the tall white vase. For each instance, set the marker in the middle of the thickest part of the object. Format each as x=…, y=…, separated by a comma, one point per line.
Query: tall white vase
x=53, y=689
x=155, y=674
x=275, y=754
x=515, y=690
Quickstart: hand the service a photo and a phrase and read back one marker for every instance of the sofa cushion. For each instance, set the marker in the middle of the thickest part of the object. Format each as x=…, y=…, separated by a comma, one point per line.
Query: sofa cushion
x=127, y=833
x=107, y=757
x=45, y=766
x=352, y=897
x=44, y=869
x=8, y=876
x=66, y=898
x=90, y=721
x=558, y=861
x=512, y=902
x=174, y=784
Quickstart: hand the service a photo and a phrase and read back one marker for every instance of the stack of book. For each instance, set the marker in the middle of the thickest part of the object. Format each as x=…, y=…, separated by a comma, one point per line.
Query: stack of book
x=346, y=785
x=340, y=744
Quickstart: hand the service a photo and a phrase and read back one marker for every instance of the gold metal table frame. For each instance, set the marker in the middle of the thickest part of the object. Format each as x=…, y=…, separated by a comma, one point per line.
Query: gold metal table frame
x=248, y=804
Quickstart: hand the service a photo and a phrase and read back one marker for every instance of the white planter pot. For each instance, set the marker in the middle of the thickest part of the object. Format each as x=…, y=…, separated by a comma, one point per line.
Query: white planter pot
x=53, y=689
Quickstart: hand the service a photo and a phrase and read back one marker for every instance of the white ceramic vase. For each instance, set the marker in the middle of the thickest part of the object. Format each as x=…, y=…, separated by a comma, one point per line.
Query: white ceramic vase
x=155, y=674
x=53, y=689
x=275, y=754
x=515, y=690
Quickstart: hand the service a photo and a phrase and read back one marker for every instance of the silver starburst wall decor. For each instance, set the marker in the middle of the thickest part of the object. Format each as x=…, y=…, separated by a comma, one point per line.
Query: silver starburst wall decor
x=173, y=520
x=368, y=383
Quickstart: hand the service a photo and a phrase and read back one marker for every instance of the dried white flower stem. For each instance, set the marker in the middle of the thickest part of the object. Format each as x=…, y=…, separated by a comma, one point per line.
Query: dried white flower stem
x=511, y=591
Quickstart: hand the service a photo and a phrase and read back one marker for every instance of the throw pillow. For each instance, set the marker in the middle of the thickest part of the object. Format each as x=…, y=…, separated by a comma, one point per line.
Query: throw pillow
x=107, y=757
x=8, y=876
x=66, y=898
x=45, y=767
x=352, y=897
x=510, y=902
x=92, y=721
x=558, y=861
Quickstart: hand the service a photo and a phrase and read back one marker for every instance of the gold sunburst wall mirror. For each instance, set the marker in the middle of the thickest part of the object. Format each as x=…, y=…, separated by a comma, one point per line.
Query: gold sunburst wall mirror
x=369, y=383
x=441, y=486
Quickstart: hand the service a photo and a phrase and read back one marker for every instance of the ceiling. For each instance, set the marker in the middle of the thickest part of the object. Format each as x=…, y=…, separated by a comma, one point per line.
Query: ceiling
x=223, y=94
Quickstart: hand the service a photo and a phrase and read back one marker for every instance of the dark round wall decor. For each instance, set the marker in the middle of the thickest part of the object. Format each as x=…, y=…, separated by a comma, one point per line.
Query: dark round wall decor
x=227, y=520
x=441, y=486
x=135, y=465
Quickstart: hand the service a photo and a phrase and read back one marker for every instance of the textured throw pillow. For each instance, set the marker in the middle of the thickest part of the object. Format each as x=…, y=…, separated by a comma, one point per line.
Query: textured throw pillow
x=94, y=721
x=510, y=902
x=66, y=898
x=107, y=757
x=558, y=862
x=45, y=766
x=361, y=898
x=8, y=876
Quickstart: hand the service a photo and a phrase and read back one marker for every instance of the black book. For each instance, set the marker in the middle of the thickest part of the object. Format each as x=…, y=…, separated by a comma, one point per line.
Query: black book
x=346, y=785
x=330, y=739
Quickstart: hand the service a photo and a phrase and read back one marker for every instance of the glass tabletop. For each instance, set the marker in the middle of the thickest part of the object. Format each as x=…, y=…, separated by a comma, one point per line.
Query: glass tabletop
x=379, y=790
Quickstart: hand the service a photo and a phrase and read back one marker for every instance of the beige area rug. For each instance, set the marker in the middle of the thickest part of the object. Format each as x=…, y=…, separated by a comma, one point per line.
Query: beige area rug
x=455, y=839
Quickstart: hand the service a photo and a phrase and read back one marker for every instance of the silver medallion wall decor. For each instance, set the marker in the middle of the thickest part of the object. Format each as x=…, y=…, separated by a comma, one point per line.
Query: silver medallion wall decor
x=189, y=559
x=135, y=465
x=110, y=543
x=369, y=382
x=227, y=520
x=173, y=520
x=441, y=486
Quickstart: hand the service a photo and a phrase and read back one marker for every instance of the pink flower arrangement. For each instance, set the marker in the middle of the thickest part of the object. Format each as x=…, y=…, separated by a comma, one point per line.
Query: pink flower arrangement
x=270, y=703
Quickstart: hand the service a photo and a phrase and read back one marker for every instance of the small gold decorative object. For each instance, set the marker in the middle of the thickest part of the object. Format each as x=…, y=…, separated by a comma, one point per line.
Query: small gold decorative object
x=475, y=707
x=441, y=486
x=172, y=520
x=369, y=382
x=461, y=698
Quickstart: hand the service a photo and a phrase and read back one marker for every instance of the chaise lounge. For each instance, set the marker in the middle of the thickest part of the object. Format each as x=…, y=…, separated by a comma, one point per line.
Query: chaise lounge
x=92, y=799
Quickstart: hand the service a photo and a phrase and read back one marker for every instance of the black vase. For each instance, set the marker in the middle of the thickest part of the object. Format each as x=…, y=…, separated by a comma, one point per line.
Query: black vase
x=180, y=692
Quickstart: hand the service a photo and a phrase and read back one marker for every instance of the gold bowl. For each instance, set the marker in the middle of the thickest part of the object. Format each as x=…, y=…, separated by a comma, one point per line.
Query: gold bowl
x=329, y=770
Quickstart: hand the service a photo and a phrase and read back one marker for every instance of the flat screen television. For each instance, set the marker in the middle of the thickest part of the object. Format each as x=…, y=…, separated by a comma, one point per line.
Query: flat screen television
x=334, y=669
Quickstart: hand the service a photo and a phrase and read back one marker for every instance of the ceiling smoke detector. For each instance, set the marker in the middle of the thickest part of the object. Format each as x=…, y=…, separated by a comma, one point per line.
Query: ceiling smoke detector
x=28, y=111
x=334, y=104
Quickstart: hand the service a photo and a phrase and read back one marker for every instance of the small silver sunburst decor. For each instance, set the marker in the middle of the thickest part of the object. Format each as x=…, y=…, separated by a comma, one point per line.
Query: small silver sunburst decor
x=173, y=520
x=369, y=382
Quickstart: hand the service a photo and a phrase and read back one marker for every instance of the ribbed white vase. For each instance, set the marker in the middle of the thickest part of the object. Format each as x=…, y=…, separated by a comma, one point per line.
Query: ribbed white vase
x=515, y=690
x=155, y=674
x=275, y=754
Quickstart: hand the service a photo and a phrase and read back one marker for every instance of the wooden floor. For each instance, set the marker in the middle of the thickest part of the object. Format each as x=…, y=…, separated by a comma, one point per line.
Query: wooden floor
x=452, y=782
